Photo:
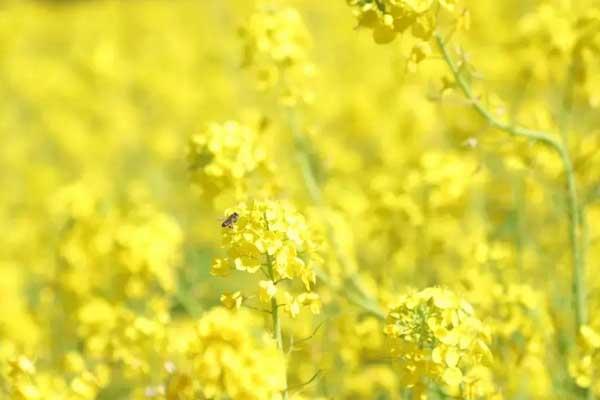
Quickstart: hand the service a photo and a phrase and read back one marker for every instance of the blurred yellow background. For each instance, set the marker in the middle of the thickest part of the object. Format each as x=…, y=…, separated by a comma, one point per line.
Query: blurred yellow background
x=109, y=233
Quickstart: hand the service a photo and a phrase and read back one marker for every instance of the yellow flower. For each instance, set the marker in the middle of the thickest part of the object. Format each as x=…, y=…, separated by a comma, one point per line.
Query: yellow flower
x=590, y=337
x=582, y=371
x=267, y=290
x=291, y=305
x=116, y=334
x=229, y=361
x=312, y=300
x=221, y=267
x=226, y=158
x=272, y=237
x=388, y=18
x=449, y=4
x=232, y=300
x=276, y=44
x=277, y=34
x=417, y=6
x=583, y=362
x=435, y=335
x=23, y=364
x=125, y=250
x=21, y=379
x=452, y=376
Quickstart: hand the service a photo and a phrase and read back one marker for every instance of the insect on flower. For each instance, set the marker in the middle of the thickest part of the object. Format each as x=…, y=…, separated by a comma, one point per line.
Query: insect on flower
x=229, y=221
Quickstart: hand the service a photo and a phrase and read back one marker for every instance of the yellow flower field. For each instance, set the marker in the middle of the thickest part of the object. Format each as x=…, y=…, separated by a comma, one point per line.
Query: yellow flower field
x=298, y=199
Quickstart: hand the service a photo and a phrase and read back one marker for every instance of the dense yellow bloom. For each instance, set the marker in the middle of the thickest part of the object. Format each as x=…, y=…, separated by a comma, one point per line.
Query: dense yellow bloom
x=437, y=337
x=132, y=241
x=279, y=35
x=228, y=160
x=232, y=300
x=228, y=360
x=391, y=181
x=583, y=366
x=519, y=319
x=273, y=238
x=21, y=372
x=417, y=18
x=121, y=336
x=562, y=31
x=276, y=44
x=25, y=382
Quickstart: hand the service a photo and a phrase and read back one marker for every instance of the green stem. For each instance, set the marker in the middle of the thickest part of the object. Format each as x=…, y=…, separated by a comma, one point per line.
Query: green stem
x=576, y=233
x=277, y=334
x=276, y=324
x=513, y=130
x=576, y=236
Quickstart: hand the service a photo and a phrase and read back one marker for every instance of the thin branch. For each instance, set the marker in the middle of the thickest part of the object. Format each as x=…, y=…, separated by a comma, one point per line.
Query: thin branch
x=514, y=130
x=308, y=382
x=312, y=334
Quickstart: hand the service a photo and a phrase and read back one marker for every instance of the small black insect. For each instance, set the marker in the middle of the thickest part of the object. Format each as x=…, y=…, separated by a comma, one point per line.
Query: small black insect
x=229, y=221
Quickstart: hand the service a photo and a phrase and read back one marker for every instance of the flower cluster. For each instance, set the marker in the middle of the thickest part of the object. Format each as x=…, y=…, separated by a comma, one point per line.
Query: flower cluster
x=228, y=159
x=419, y=18
x=76, y=382
x=273, y=238
x=225, y=358
x=276, y=44
x=553, y=34
x=127, y=250
x=436, y=337
x=21, y=374
x=121, y=336
x=427, y=204
x=583, y=367
x=363, y=358
x=519, y=319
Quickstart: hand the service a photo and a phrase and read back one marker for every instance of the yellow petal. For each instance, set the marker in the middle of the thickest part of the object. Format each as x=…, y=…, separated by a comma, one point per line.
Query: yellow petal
x=452, y=376
x=451, y=357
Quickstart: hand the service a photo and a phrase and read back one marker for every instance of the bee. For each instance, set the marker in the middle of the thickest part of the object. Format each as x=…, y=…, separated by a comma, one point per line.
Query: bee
x=229, y=221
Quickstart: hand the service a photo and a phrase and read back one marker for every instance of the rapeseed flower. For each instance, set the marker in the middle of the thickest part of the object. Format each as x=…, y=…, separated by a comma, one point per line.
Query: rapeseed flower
x=436, y=337
x=272, y=238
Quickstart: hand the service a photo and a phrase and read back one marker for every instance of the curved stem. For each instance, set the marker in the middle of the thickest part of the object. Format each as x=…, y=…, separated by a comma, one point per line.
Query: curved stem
x=576, y=234
x=513, y=130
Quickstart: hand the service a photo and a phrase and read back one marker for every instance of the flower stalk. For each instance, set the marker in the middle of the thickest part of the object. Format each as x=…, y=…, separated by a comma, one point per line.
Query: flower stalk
x=277, y=333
